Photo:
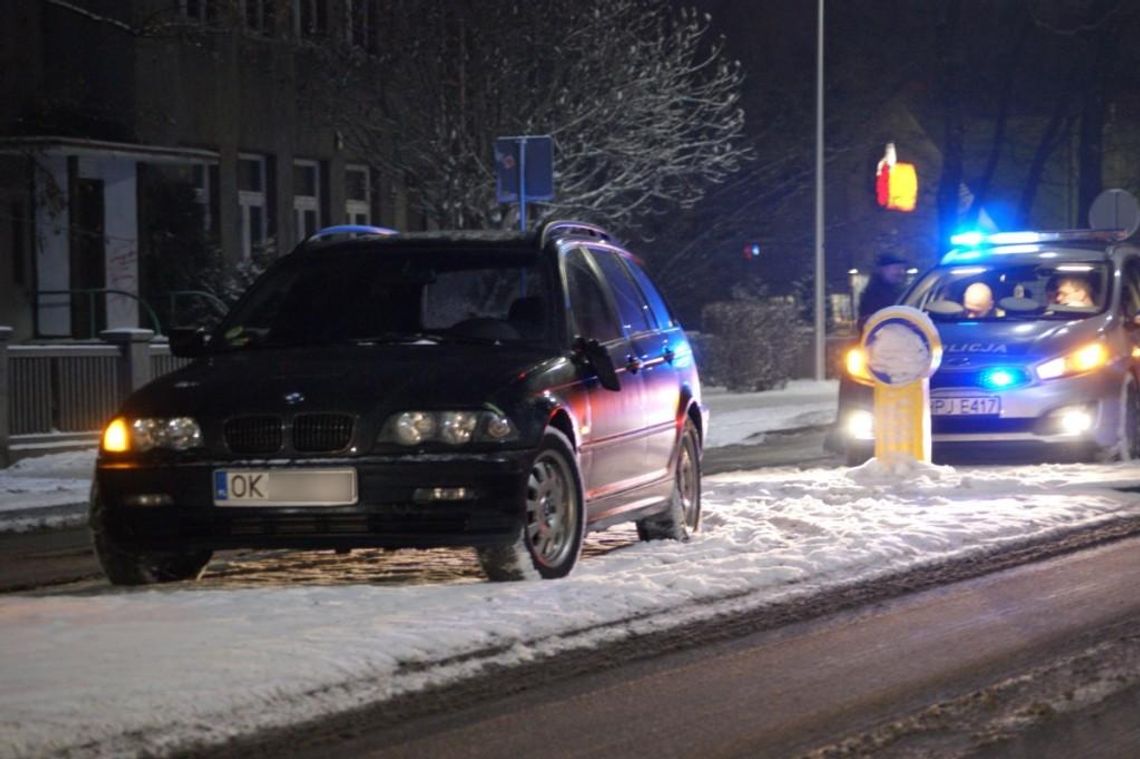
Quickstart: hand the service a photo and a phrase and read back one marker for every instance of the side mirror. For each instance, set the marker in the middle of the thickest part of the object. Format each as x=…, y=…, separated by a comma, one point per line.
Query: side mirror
x=599, y=360
x=189, y=342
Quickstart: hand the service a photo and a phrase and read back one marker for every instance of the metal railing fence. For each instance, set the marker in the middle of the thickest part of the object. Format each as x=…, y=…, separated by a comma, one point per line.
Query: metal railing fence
x=73, y=387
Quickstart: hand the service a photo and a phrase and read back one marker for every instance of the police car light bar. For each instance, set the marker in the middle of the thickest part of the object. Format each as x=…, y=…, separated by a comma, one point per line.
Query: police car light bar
x=973, y=245
x=354, y=230
x=975, y=239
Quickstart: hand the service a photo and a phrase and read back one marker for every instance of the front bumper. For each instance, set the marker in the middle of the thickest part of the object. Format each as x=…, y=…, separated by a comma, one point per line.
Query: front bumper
x=386, y=513
x=1028, y=422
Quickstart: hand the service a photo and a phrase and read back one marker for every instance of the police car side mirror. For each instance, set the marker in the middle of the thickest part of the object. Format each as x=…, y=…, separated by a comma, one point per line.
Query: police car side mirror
x=188, y=342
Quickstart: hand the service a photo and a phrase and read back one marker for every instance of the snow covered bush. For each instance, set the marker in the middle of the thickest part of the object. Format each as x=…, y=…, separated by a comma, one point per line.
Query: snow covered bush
x=748, y=344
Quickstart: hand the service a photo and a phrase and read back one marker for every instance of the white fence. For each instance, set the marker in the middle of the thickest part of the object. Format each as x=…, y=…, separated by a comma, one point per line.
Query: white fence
x=69, y=388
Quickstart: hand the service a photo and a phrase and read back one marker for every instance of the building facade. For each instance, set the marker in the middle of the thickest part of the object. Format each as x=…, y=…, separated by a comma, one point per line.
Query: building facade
x=144, y=141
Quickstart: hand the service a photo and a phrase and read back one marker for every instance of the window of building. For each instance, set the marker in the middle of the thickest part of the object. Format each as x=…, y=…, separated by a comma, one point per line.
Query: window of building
x=357, y=195
x=16, y=212
x=202, y=11
x=360, y=24
x=306, y=197
x=251, y=199
x=259, y=15
x=310, y=18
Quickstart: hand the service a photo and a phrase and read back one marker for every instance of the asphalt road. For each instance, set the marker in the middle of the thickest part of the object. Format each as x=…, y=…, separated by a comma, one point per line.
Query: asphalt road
x=832, y=684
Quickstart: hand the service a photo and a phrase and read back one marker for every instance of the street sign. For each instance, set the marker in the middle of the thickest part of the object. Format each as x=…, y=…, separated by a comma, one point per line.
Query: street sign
x=524, y=167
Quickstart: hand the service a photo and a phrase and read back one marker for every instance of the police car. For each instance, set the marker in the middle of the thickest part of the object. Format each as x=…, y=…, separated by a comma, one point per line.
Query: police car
x=1041, y=349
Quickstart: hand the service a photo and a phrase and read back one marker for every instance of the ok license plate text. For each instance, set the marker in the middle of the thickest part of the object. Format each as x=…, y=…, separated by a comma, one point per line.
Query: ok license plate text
x=284, y=487
x=988, y=405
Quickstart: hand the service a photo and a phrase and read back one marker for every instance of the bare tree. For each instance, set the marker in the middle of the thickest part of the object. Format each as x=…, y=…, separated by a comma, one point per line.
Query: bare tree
x=642, y=105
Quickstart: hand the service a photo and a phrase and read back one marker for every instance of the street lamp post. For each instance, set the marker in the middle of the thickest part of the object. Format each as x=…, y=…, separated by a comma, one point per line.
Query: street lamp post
x=820, y=290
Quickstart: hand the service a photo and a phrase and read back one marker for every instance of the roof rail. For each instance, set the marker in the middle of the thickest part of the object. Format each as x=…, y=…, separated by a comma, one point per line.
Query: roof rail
x=351, y=230
x=550, y=228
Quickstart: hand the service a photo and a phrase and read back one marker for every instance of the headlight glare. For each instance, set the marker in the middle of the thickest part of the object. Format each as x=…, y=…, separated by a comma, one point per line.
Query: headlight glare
x=177, y=433
x=456, y=427
x=1084, y=359
x=856, y=364
x=413, y=427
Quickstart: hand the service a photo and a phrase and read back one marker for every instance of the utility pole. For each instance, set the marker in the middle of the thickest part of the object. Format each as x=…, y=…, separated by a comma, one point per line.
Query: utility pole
x=820, y=290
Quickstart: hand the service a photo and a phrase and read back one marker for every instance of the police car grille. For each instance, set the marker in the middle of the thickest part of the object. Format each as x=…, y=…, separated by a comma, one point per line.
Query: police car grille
x=974, y=378
x=322, y=433
x=253, y=434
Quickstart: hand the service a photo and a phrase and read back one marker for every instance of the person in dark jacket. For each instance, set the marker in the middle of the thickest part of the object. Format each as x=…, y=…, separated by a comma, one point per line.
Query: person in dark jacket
x=885, y=287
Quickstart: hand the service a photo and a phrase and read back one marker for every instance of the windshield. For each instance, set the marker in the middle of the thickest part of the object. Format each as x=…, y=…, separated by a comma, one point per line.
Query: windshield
x=999, y=291
x=383, y=296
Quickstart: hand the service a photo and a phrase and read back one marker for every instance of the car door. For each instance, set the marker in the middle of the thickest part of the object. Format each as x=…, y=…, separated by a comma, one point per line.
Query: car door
x=614, y=447
x=651, y=358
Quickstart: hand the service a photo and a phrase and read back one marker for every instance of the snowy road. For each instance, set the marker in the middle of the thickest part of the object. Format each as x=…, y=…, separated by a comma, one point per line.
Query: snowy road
x=93, y=672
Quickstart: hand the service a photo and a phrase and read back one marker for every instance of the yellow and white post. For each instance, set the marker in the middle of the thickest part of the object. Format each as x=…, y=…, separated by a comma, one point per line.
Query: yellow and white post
x=903, y=350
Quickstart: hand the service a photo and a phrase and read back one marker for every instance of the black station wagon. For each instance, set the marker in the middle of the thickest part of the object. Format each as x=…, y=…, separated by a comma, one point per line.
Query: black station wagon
x=505, y=391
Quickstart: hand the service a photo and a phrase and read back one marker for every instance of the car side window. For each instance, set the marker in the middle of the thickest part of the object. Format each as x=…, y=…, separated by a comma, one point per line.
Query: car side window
x=632, y=308
x=593, y=317
x=657, y=303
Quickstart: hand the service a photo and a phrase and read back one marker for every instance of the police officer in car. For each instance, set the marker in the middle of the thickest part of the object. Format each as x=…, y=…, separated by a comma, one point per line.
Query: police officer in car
x=885, y=287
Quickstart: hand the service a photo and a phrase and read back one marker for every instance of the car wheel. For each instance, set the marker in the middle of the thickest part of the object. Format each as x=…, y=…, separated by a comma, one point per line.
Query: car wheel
x=857, y=455
x=126, y=566
x=683, y=515
x=549, y=540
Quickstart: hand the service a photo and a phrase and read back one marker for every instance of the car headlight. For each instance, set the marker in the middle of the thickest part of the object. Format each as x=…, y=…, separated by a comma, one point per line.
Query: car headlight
x=1084, y=359
x=450, y=427
x=177, y=433
x=855, y=361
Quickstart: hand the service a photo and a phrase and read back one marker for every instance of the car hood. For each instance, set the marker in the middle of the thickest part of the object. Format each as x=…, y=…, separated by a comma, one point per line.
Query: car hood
x=351, y=379
x=985, y=343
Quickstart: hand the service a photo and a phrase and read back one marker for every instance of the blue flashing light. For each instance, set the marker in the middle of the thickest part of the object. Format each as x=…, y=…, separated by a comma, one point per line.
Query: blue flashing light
x=970, y=239
x=956, y=256
x=1002, y=378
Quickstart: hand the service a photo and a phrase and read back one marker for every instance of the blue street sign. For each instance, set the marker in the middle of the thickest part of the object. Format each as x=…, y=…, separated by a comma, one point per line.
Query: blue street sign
x=524, y=166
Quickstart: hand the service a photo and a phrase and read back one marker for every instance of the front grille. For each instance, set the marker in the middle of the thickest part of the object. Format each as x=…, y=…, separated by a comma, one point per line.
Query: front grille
x=322, y=433
x=1019, y=377
x=253, y=434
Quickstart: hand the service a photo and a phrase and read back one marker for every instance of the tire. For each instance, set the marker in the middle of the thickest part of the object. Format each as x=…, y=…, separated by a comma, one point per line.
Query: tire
x=1127, y=446
x=683, y=516
x=126, y=566
x=857, y=455
x=549, y=540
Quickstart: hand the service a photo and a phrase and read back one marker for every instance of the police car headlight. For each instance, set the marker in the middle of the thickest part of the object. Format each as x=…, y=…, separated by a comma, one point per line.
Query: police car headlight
x=855, y=362
x=451, y=427
x=177, y=433
x=1084, y=359
x=860, y=425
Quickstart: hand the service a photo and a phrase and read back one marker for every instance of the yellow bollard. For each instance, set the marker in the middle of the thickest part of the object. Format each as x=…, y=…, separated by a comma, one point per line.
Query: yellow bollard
x=903, y=349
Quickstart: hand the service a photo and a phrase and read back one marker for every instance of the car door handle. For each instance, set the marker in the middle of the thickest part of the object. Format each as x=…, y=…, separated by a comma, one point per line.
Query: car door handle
x=633, y=364
x=668, y=354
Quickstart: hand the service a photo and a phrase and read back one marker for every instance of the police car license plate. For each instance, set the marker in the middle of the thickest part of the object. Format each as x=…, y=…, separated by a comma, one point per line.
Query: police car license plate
x=981, y=405
x=284, y=487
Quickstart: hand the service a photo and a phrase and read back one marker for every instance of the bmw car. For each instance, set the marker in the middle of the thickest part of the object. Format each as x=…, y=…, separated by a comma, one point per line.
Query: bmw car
x=503, y=391
x=1041, y=338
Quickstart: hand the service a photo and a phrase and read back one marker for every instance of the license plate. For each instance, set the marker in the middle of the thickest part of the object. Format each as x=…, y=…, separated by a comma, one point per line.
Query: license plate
x=284, y=487
x=980, y=405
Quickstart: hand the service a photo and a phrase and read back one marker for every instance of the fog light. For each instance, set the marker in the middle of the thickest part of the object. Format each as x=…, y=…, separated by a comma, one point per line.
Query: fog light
x=861, y=425
x=1075, y=421
x=149, y=499
x=425, y=495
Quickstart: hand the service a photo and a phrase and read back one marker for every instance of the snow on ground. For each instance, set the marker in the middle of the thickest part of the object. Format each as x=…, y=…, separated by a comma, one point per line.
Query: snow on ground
x=743, y=418
x=37, y=492
x=143, y=672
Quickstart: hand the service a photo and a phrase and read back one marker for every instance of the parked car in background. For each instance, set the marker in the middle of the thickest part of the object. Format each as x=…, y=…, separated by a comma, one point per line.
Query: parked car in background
x=505, y=391
x=1041, y=338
